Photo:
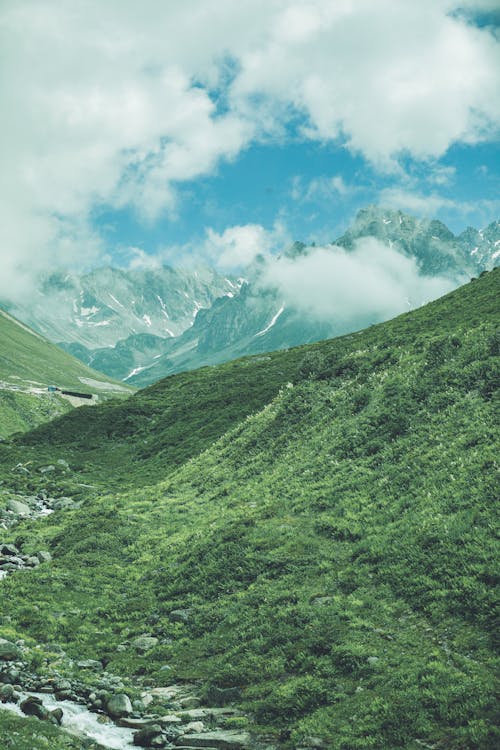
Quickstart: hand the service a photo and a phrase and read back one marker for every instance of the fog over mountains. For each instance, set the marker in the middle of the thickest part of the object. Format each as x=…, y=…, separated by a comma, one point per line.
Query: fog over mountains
x=142, y=324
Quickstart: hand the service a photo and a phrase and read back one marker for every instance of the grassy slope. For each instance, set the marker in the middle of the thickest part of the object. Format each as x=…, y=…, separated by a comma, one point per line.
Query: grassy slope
x=28, y=360
x=335, y=548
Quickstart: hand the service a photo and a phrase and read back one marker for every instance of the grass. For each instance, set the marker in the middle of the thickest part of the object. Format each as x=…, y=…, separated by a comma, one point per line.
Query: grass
x=333, y=542
x=20, y=733
x=28, y=365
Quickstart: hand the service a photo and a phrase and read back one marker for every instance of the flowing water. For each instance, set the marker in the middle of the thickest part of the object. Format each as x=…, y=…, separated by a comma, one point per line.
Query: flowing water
x=78, y=720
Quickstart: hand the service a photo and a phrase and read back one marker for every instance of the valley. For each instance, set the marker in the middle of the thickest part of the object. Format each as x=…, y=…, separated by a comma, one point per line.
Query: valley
x=302, y=542
x=29, y=366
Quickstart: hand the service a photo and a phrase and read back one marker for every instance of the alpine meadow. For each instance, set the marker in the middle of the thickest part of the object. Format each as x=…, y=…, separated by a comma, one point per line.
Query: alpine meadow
x=249, y=374
x=307, y=536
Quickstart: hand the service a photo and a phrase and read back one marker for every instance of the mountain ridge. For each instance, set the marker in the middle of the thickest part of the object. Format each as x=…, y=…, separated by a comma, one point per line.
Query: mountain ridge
x=213, y=318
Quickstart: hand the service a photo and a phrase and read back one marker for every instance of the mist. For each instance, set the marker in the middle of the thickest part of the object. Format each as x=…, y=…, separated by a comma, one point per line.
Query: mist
x=330, y=283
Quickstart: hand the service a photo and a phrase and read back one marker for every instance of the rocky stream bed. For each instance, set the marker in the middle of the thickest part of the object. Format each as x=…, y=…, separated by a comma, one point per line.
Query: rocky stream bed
x=105, y=710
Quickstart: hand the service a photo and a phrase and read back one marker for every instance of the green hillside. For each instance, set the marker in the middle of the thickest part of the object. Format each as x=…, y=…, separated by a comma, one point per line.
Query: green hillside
x=28, y=365
x=331, y=542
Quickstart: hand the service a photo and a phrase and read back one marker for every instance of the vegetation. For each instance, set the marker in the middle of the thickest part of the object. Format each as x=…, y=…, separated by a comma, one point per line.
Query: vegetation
x=331, y=543
x=18, y=733
x=28, y=365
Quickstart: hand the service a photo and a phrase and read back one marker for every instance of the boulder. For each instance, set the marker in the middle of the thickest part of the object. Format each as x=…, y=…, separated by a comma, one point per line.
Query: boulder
x=33, y=706
x=9, y=651
x=194, y=726
x=16, y=506
x=9, y=550
x=219, y=739
x=190, y=701
x=7, y=694
x=144, y=643
x=119, y=705
x=216, y=696
x=9, y=563
x=32, y=561
x=90, y=664
x=44, y=556
x=150, y=736
x=57, y=715
x=179, y=615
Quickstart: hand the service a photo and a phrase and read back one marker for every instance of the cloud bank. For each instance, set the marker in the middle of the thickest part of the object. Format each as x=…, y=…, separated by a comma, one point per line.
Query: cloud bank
x=117, y=103
x=371, y=281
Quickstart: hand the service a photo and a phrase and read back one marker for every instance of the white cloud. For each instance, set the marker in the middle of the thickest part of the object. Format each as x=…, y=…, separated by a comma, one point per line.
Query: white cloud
x=238, y=246
x=432, y=204
x=116, y=103
x=408, y=200
x=321, y=188
x=372, y=281
x=140, y=259
x=441, y=175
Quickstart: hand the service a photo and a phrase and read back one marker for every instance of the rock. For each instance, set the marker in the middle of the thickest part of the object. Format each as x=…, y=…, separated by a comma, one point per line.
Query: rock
x=32, y=561
x=217, y=696
x=44, y=556
x=190, y=701
x=57, y=715
x=372, y=660
x=170, y=720
x=314, y=742
x=33, y=706
x=16, y=506
x=7, y=694
x=321, y=601
x=10, y=563
x=64, y=503
x=134, y=723
x=46, y=469
x=90, y=664
x=218, y=739
x=149, y=737
x=63, y=463
x=63, y=689
x=119, y=705
x=194, y=726
x=9, y=651
x=144, y=643
x=9, y=550
x=179, y=615
x=147, y=699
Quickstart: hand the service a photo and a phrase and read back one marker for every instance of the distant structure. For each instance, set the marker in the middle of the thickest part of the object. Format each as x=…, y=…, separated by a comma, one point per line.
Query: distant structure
x=75, y=394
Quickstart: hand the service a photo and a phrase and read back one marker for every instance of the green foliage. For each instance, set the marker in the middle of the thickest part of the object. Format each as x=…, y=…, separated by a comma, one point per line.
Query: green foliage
x=332, y=543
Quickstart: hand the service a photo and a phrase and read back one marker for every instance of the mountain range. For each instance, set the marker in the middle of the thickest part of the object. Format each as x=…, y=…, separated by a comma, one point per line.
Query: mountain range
x=141, y=325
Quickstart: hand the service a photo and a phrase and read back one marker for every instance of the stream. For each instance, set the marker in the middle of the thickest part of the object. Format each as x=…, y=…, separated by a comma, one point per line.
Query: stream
x=79, y=721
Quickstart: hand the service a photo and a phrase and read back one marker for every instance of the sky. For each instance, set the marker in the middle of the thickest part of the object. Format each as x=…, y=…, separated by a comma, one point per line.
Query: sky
x=138, y=132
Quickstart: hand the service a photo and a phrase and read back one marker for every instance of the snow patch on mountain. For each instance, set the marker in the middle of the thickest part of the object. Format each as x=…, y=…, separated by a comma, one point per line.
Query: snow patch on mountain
x=272, y=323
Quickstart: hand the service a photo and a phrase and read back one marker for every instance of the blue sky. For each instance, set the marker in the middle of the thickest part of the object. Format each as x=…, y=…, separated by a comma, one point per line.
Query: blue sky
x=209, y=128
x=315, y=190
